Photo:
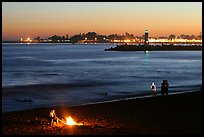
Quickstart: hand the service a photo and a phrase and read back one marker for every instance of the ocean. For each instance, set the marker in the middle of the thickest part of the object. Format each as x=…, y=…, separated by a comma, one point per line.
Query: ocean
x=77, y=74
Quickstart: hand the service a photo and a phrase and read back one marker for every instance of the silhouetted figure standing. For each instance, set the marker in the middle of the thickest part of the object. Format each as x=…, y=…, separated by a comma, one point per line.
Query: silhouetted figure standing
x=153, y=89
x=163, y=87
x=166, y=90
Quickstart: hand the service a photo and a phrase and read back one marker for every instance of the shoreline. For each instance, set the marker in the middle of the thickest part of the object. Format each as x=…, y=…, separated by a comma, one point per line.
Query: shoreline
x=103, y=96
x=173, y=114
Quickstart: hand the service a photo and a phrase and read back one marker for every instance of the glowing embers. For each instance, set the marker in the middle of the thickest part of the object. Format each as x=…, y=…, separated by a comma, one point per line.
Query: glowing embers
x=70, y=122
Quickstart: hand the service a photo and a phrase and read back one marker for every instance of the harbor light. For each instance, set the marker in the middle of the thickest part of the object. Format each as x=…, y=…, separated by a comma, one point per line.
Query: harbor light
x=28, y=40
x=146, y=41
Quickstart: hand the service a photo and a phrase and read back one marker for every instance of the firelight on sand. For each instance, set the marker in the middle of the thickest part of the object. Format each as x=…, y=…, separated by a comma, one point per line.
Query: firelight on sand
x=70, y=122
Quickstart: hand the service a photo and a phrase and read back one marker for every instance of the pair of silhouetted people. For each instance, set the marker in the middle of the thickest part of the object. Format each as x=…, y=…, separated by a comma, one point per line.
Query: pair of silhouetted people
x=164, y=87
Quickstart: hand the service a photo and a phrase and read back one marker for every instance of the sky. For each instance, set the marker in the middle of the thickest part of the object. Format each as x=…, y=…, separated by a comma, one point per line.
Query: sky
x=45, y=19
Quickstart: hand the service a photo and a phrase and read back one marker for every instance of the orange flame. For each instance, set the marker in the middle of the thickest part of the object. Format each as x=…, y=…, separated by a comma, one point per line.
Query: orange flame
x=70, y=121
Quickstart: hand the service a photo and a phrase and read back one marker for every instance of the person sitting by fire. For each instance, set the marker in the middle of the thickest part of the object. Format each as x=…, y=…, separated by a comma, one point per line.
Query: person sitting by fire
x=52, y=118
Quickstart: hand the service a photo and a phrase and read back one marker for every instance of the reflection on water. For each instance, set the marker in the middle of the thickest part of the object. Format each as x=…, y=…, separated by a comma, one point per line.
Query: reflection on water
x=76, y=74
x=146, y=54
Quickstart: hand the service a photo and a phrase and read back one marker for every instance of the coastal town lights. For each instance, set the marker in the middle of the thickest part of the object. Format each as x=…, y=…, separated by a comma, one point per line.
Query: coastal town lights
x=28, y=40
x=127, y=40
x=173, y=40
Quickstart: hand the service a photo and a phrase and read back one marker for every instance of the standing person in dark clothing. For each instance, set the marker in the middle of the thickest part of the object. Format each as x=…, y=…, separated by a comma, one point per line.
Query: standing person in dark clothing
x=166, y=87
x=163, y=87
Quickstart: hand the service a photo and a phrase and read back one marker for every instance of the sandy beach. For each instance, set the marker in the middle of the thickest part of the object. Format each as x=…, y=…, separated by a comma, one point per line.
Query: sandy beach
x=179, y=114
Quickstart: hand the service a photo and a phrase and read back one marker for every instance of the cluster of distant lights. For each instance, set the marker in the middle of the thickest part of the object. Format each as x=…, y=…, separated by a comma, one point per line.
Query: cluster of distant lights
x=29, y=40
x=158, y=40
x=26, y=40
x=174, y=40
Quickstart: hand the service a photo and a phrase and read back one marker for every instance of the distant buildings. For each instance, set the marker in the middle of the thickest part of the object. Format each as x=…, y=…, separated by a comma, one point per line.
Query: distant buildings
x=92, y=37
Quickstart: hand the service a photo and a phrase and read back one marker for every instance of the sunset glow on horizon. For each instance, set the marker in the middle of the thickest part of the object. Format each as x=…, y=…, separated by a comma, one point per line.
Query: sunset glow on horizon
x=45, y=19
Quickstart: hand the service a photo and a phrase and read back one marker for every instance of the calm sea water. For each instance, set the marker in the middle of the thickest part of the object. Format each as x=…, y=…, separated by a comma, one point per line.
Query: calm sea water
x=66, y=74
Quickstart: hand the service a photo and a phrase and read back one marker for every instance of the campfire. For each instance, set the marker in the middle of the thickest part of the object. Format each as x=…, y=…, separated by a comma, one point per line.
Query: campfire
x=70, y=122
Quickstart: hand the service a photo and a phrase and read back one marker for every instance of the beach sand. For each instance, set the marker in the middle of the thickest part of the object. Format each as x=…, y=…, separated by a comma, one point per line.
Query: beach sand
x=179, y=114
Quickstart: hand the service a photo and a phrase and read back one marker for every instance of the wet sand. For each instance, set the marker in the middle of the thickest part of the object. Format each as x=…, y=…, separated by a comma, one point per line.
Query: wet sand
x=179, y=114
